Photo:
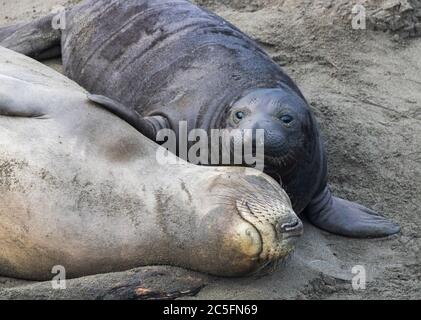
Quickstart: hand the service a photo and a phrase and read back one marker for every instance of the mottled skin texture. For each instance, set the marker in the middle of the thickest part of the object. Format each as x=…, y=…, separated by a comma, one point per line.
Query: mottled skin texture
x=172, y=61
x=83, y=189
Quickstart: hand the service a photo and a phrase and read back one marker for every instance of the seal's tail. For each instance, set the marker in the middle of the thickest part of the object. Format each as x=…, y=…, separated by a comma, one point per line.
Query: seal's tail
x=37, y=39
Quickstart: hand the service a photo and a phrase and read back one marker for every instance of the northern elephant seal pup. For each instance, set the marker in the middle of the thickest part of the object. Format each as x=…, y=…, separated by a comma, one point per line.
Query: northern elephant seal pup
x=171, y=61
x=81, y=188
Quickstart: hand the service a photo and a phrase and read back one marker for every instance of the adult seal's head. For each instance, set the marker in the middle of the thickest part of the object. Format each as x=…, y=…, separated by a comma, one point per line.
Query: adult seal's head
x=260, y=229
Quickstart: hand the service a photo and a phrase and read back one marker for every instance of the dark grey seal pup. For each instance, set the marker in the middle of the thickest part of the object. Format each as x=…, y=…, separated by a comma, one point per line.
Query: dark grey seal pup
x=170, y=61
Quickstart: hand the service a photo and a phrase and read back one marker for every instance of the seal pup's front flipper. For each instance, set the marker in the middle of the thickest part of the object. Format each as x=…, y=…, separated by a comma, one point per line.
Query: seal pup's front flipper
x=148, y=126
x=36, y=39
x=347, y=218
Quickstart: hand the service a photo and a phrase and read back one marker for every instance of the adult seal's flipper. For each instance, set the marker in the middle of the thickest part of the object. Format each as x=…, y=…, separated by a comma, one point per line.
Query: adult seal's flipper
x=347, y=218
x=148, y=126
x=16, y=99
x=37, y=39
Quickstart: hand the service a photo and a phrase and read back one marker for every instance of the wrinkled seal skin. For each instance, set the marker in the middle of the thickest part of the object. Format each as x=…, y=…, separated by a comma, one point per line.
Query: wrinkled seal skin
x=172, y=61
x=81, y=188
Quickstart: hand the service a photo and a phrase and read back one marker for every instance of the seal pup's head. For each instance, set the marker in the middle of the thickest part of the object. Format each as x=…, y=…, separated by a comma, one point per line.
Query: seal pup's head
x=247, y=222
x=285, y=118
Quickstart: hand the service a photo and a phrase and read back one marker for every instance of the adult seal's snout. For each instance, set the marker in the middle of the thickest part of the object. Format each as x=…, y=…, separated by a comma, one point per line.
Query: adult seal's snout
x=272, y=215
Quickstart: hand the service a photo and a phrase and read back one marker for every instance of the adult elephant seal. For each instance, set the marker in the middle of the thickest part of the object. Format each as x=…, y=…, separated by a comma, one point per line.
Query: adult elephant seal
x=81, y=188
x=171, y=61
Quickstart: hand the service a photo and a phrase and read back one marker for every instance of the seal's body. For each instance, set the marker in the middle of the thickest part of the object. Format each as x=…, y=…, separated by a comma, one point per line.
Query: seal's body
x=82, y=189
x=168, y=61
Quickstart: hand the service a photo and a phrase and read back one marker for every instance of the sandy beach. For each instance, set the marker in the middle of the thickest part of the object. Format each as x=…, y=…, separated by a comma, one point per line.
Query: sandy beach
x=365, y=89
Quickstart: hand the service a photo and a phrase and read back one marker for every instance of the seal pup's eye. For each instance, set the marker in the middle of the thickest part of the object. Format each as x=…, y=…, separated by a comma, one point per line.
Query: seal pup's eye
x=287, y=119
x=238, y=116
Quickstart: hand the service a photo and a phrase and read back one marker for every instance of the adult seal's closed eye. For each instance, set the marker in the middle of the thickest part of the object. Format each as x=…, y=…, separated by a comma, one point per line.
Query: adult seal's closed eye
x=82, y=189
x=170, y=61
